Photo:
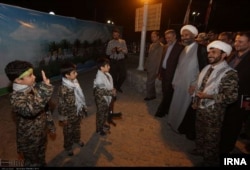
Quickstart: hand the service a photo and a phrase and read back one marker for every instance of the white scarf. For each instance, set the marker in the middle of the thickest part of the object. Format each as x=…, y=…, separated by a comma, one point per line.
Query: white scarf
x=79, y=96
x=21, y=87
x=104, y=81
x=213, y=82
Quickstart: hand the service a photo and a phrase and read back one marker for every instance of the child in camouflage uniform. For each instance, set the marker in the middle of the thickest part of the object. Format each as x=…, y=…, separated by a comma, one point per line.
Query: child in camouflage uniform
x=103, y=92
x=28, y=101
x=71, y=107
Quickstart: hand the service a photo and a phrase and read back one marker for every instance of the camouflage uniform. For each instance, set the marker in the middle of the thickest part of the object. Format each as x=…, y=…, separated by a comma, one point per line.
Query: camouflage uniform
x=67, y=111
x=209, y=119
x=31, y=133
x=102, y=106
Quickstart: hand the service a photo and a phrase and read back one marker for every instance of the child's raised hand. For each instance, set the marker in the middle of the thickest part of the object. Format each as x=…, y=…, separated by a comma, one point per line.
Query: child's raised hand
x=45, y=79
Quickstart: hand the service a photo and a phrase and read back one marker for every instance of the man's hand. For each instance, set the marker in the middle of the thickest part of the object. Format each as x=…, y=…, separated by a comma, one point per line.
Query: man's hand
x=204, y=95
x=114, y=92
x=191, y=90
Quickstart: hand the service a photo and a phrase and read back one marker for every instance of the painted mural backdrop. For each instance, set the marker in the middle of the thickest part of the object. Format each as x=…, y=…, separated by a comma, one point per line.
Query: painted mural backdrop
x=45, y=39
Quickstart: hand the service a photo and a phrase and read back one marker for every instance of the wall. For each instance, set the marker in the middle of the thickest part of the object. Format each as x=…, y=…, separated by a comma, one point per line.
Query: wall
x=42, y=38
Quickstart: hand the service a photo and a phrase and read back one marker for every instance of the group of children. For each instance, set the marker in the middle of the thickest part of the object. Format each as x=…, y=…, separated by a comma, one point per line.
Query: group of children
x=29, y=101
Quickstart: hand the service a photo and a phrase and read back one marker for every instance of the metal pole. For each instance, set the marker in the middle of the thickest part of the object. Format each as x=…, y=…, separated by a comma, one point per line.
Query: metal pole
x=143, y=36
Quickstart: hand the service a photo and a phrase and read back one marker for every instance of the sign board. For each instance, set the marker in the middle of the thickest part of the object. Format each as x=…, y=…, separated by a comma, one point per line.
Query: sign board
x=153, y=19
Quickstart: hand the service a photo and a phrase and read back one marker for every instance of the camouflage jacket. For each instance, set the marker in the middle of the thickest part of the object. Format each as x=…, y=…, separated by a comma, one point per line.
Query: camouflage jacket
x=66, y=104
x=30, y=116
x=99, y=94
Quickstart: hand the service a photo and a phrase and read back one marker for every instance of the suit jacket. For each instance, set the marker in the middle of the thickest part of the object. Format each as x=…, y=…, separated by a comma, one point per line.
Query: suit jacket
x=234, y=115
x=171, y=62
x=154, y=57
x=243, y=69
x=202, y=56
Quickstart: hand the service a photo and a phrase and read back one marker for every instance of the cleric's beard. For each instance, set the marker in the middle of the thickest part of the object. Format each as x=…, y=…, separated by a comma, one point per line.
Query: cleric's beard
x=187, y=42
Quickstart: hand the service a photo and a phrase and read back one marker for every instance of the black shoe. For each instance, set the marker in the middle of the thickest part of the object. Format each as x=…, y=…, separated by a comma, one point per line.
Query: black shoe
x=70, y=153
x=81, y=144
x=106, y=127
x=159, y=115
x=149, y=98
x=101, y=132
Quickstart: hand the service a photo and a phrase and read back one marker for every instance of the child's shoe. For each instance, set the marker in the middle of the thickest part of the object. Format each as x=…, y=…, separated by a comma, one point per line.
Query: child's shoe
x=81, y=144
x=106, y=127
x=70, y=153
x=101, y=132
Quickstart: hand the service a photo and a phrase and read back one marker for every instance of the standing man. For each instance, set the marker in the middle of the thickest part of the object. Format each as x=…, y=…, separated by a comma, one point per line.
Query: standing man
x=227, y=37
x=191, y=60
x=152, y=65
x=170, y=56
x=217, y=87
x=116, y=50
x=212, y=35
x=235, y=115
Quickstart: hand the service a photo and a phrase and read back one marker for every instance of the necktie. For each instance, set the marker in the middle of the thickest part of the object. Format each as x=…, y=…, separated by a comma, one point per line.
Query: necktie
x=202, y=87
x=205, y=78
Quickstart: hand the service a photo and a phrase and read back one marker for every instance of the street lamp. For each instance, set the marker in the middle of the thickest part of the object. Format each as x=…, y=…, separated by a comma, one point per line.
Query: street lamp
x=110, y=22
x=143, y=35
x=195, y=14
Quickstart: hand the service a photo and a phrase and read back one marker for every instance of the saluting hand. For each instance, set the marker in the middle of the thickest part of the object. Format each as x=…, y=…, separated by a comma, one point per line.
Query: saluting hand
x=45, y=79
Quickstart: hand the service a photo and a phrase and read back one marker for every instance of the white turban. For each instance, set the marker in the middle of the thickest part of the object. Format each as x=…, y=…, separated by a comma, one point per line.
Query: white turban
x=220, y=45
x=191, y=28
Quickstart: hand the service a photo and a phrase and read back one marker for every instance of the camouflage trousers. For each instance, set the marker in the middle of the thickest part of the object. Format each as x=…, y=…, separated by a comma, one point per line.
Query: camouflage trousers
x=101, y=114
x=208, y=131
x=35, y=157
x=72, y=133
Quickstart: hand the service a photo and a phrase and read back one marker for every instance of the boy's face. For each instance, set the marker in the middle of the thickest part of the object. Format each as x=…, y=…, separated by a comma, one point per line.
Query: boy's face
x=28, y=79
x=105, y=68
x=72, y=76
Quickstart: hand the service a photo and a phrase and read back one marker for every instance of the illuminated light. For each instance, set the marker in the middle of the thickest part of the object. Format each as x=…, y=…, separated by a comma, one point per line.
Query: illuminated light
x=110, y=22
x=26, y=24
x=51, y=13
x=195, y=13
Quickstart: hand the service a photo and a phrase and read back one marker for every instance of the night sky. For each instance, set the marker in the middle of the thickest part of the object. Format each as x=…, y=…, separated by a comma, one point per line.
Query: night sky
x=226, y=15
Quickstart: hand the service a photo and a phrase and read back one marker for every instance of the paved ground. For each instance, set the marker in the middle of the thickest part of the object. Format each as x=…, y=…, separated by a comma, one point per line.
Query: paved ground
x=138, y=140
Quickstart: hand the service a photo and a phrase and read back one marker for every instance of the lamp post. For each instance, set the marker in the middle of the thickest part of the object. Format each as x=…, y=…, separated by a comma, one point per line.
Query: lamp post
x=143, y=36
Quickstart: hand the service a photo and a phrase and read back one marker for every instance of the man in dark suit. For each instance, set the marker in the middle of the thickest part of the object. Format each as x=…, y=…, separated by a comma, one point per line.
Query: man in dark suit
x=170, y=56
x=235, y=115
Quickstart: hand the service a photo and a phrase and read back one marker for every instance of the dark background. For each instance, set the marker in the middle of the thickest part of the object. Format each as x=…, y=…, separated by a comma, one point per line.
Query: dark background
x=226, y=15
